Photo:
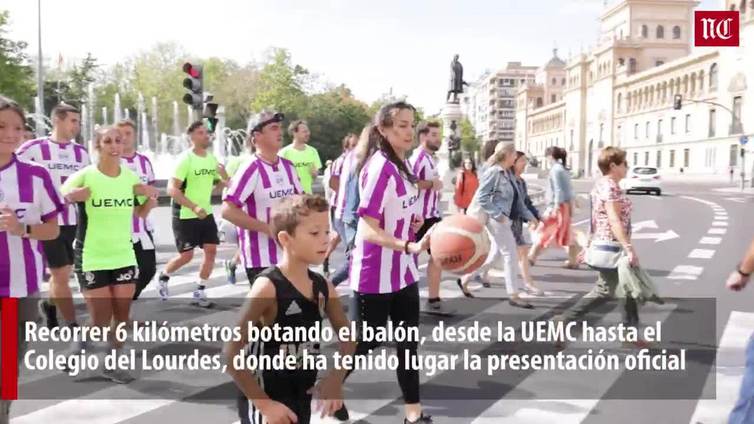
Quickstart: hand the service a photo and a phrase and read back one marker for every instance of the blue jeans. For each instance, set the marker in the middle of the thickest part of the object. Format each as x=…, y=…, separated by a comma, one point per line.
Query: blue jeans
x=743, y=412
x=347, y=235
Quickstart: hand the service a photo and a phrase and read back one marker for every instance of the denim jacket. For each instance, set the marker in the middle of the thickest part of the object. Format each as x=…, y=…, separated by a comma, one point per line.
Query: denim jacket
x=524, y=190
x=496, y=195
x=559, y=188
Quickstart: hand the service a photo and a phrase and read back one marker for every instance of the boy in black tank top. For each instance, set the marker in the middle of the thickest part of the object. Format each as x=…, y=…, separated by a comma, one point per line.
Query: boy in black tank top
x=290, y=296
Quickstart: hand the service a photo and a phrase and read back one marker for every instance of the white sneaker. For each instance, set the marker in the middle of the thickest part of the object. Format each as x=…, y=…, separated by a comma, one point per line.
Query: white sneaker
x=200, y=299
x=162, y=289
x=118, y=376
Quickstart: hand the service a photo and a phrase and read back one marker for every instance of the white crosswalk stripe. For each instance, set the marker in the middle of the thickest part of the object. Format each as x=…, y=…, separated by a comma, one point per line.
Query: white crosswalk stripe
x=731, y=361
x=701, y=254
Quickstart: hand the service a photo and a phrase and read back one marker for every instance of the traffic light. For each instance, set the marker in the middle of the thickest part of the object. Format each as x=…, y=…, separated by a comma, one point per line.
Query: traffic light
x=677, y=100
x=194, y=83
x=210, y=112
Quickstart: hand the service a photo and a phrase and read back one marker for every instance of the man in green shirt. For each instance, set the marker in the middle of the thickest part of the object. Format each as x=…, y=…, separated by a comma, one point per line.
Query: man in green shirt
x=191, y=186
x=304, y=157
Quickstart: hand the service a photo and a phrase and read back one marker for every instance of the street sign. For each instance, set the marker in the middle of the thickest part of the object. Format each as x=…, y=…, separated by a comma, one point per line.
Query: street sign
x=743, y=140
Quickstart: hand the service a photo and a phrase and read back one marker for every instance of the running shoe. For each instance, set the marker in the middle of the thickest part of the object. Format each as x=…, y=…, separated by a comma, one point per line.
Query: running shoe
x=162, y=287
x=423, y=419
x=230, y=271
x=200, y=299
x=118, y=376
x=341, y=414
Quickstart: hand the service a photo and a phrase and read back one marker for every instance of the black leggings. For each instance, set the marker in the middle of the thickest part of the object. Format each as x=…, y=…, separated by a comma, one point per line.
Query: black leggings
x=146, y=261
x=403, y=305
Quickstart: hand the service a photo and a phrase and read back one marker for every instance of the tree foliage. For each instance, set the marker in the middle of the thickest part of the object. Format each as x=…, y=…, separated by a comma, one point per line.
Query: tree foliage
x=16, y=75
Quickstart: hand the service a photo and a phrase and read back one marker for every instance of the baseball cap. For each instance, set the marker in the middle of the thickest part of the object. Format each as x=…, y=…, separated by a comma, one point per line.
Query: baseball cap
x=258, y=121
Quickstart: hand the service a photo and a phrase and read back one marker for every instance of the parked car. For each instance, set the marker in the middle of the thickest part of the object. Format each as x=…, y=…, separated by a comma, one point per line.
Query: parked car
x=642, y=178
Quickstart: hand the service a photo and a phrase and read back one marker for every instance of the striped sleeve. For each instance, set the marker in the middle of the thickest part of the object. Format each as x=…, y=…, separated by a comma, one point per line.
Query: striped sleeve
x=420, y=166
x=149, y=170
x=243, y=184
x=50, y=202
x=290, y=170
x=373, y=191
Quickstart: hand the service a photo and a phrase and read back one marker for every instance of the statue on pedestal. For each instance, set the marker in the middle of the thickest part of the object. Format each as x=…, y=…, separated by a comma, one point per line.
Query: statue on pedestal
x=456, y=80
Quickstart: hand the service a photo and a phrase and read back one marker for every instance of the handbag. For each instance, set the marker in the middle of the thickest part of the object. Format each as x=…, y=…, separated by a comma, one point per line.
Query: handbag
x=475, y=209
x=602, y=255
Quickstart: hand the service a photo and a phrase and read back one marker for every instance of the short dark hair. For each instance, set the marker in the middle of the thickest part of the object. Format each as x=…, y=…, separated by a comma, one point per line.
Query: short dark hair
x=61, y=110
x=288, y=214
x=425, y=126
x=10, y=104
x=193, y=127
x=126, y=123
x=293, y=127
x=608, y=155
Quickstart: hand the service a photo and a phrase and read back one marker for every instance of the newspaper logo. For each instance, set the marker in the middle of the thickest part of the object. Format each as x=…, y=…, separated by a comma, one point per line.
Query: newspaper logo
x=716, y=28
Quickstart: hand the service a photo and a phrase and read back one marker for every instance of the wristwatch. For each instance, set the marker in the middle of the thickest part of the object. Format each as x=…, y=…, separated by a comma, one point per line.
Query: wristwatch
x=27, y=231
x=743, y=274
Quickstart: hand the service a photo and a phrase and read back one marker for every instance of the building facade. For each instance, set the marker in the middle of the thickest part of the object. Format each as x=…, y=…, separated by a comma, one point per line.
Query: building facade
x=621, y=93
x=489, y=102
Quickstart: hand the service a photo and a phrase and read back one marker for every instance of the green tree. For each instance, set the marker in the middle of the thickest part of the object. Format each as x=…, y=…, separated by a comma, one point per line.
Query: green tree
x=280, y=86
x=79, y=79
x=469, y=141
x=331, y=115
x=16, y=76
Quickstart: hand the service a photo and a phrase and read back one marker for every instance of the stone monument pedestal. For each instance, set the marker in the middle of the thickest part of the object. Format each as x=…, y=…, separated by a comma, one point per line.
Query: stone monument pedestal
x=451, y=118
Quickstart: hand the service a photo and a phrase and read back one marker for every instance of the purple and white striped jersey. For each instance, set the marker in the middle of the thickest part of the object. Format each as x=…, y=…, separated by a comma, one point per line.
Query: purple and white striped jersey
x=389, y=198
x=336, y=171
x=27, y=189
x=61, y=160
x=424, y=167
x=141, y=166
x=347, y=168
x=256, y=188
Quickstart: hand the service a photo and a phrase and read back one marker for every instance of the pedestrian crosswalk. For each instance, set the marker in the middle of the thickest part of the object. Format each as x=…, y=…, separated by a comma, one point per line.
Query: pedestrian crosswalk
x=373, y=396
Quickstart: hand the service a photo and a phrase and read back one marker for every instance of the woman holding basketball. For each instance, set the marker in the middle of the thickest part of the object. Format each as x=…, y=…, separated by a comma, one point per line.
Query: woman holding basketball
x=383, y=267
x=500, y=200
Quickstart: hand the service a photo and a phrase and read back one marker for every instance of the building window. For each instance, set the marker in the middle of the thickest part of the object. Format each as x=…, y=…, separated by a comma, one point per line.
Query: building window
x=631, y=65
x=660, y=32
x=736, y=124
x=646, y=158
x=644, y=31
x=676, y=32
x=554, y=81
x=619, y=136
x=672, y=125
x=571, y=147
x=742, y=7
x=672, y=159
x=553, y=98
x=659, y=62
x=687, y=127
x=539, y=102
x=659, y=159
x=620, y=102
x=733, y=161
x=562, y=82
x=636, y=159
x=636, y=131
x=712, y=123
x=713, y=77
x=646, y=130
x=686, y=154
x=602, y=132
x=659, y=131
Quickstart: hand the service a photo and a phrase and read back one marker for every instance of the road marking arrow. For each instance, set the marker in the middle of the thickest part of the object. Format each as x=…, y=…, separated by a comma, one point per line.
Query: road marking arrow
x=657, y=237
x=641, y=225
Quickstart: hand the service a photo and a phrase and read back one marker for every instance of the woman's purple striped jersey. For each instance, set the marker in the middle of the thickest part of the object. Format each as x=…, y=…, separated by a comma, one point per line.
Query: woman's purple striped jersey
x=61, y=160
x=256, y=188
x=425, y=168
x=141, y=166
x=393, y=201
x=27, y=189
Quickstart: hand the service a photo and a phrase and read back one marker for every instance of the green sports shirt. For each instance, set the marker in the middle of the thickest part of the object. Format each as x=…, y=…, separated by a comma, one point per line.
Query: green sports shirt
x=199, y=175
x=303, y=161
x=231, y=167
x=105, y=220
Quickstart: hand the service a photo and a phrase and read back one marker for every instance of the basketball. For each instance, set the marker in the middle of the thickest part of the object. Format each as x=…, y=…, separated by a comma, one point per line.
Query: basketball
x=459, y=244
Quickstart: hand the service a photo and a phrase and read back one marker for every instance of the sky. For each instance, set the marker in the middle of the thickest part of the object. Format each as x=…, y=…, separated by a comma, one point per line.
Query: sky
x=371, y=46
